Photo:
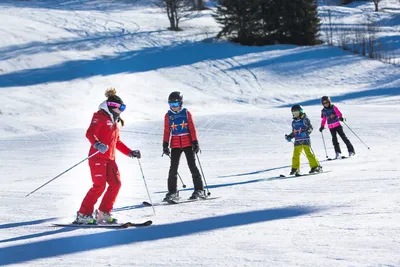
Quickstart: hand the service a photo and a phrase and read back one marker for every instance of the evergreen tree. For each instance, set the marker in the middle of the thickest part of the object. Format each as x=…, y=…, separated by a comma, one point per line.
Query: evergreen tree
x=260, y=22
x=299, y=23
x=236, y=19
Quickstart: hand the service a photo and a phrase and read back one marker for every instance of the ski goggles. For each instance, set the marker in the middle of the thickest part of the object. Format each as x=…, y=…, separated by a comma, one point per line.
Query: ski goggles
x=121, y=107
x=174, y=104
x=325, y=102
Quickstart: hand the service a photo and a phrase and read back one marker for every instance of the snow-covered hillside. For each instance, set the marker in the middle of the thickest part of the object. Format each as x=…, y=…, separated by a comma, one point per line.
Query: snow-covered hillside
x=58, y=57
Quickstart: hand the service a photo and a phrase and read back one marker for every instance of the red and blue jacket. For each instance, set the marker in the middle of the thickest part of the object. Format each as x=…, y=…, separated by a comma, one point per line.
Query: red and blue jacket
x=301, y=130
x=179, y=127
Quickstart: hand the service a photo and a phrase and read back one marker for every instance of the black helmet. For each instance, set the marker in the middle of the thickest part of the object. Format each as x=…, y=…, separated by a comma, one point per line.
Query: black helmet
x=325, y=98
x=175, y=97
x=297, y=108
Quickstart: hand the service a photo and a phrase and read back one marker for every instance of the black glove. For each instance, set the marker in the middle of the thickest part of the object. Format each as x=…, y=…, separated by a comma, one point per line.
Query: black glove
x=288, y=138
x=195, y=146
x=166, y=150
x=342, y=119
x=321, y=128
x=135, y=154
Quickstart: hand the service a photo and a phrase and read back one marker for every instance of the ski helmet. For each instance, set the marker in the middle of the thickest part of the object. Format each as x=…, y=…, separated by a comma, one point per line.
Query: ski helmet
x=175, y=97
x=325, y=98
x=297, y=108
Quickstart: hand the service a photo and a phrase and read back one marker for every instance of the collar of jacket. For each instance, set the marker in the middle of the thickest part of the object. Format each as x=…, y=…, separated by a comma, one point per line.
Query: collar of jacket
x=104, y=107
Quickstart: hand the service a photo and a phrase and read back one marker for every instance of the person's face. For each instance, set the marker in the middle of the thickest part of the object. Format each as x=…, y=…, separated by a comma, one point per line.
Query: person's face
x=117, y=110
x=325, y=103
x=174, y=106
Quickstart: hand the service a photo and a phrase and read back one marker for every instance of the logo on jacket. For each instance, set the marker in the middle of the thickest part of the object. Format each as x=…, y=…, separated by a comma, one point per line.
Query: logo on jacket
x=183, y=124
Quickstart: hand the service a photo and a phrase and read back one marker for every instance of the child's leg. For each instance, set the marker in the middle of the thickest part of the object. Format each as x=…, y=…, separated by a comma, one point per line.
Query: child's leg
x=296, y=157
x=342, y=135
x=335, y=140
x=312, y=159
x=173, y=170
x=191, y=161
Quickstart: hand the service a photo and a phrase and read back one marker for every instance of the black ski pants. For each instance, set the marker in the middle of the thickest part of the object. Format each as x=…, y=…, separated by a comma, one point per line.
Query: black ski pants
x=173, y=169
x=339, y=130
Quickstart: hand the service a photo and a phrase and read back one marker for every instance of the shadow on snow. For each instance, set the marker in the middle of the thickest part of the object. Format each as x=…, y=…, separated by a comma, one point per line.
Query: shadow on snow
x=147, y=59
x=18, y=224
x=87, y=242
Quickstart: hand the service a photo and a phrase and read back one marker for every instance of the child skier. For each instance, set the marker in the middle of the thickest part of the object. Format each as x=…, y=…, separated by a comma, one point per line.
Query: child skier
x=103, y=135
x=332, y=115
x=301, y=130
x=180, y=128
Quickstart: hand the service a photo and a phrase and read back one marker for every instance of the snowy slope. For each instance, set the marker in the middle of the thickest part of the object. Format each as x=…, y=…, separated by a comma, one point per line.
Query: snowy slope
x=58, y=57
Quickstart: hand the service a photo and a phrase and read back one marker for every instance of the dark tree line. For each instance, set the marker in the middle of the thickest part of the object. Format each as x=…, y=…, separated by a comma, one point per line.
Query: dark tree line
x=262, y=22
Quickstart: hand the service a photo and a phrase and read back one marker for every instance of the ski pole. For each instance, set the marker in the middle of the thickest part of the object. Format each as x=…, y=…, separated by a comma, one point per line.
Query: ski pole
x=147, y=189
x=323, y=140
x=355, y=134
x=312, y=150
x=180, y=178
x=62, y=173
x=205, y=182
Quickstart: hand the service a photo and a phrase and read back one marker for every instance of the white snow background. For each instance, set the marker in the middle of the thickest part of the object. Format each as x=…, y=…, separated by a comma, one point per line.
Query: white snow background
x=58, y=57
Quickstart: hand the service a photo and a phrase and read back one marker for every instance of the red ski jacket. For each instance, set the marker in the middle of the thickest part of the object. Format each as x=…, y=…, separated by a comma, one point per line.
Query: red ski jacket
x=180, y=138
x=103, y=129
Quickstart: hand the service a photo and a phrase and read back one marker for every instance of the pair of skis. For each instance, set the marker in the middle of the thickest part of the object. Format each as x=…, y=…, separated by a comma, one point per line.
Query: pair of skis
x=342, y=157
x=303, y=174
x=110, y=225
x=131, y=224
x=178, y=201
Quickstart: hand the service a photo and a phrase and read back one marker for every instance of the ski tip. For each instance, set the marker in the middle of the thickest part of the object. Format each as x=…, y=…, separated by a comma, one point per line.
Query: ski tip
x=129, y=224
x=281, y=175
x=145, y=203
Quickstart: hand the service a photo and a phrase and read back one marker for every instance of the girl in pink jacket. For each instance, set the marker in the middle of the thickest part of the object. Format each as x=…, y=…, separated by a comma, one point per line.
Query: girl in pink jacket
x=331, y=114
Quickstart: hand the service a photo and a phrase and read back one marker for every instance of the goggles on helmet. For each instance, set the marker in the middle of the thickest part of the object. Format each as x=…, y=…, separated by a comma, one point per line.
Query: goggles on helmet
x=121, y=107
x=174, y=104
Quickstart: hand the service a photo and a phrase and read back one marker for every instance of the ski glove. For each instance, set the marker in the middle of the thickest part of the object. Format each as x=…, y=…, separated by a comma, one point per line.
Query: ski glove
x=195, y=146
x=342, y=119
x=135, y=154
x=100, y=147
x=321, y=128
x=288, y=138
x=166, y=150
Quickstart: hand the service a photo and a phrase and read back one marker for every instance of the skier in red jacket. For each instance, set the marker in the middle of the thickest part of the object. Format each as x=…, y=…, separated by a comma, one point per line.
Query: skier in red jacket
x=103, y=135
x=179, y=127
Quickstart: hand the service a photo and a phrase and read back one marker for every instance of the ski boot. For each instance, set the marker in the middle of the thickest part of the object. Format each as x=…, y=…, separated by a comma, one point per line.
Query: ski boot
x=84, y=219
x=351, y=154
x=294, y=171
x=338, y=156
x=171, y=196
x=105, y=217
x=198, y=194
x=316, y=169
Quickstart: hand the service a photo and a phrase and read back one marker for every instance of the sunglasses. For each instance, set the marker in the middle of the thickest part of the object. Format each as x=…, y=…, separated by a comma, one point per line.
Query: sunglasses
x=174, y=104
x=121, y=107
x=324, y=103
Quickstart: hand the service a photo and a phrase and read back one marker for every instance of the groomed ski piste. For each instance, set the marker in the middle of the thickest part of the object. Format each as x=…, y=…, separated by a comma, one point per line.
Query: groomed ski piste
x=58, y=57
